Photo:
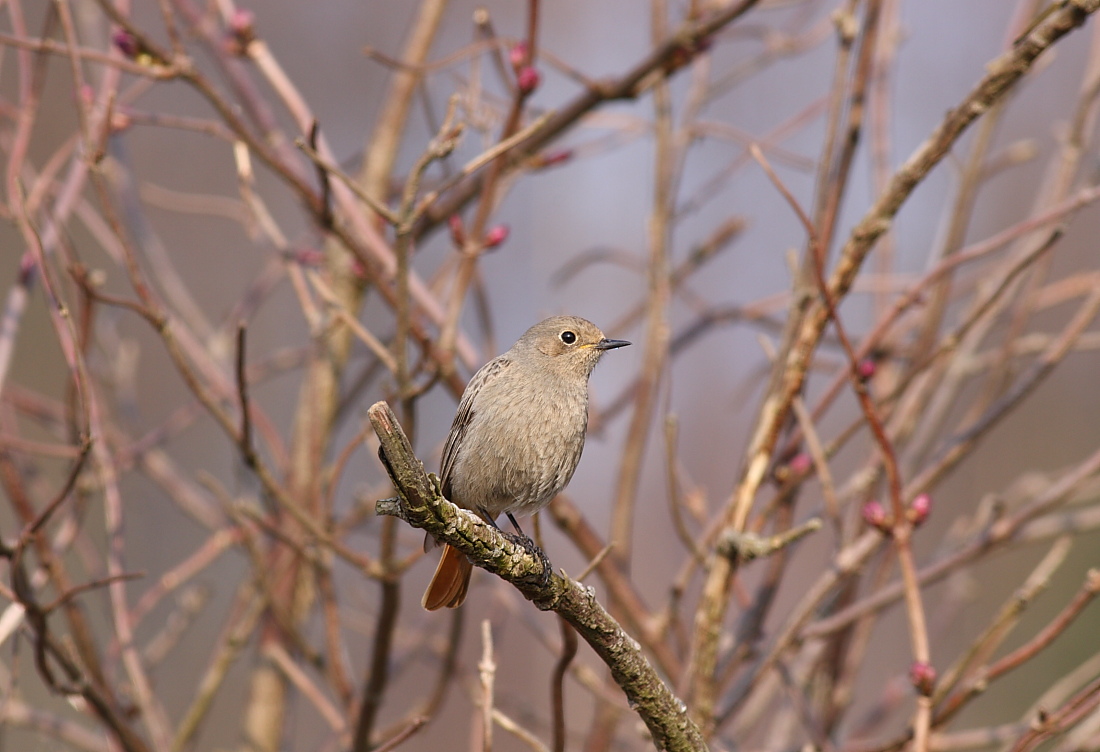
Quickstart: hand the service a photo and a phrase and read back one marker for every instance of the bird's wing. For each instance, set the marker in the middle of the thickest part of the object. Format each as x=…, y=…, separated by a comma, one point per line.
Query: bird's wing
x=465, y=415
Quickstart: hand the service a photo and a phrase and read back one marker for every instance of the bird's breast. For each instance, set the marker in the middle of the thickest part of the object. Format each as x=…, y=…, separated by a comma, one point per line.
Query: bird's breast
x=521, y=447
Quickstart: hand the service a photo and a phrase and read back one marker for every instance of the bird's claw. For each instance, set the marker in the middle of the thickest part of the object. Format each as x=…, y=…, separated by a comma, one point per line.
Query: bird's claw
x=528, y=545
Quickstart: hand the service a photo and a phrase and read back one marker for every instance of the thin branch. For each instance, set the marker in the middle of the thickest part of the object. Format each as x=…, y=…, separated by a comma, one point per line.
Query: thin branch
x=422, y=506
x=557, y=682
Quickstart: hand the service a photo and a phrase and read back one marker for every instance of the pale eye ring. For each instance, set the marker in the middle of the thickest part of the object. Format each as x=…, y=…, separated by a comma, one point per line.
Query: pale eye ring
x=568, y=337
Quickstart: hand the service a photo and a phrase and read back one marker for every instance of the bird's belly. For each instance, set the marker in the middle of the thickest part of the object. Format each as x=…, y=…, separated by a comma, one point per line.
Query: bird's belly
x=520, y=466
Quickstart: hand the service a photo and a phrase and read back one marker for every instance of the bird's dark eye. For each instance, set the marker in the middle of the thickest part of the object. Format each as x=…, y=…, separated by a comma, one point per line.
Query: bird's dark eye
x=568, y=337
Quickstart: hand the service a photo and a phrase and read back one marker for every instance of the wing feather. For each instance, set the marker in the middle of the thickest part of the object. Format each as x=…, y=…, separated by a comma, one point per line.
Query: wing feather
x=464, y=417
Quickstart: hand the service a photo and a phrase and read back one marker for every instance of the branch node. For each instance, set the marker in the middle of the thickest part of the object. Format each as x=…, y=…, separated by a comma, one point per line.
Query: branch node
x=749, y=546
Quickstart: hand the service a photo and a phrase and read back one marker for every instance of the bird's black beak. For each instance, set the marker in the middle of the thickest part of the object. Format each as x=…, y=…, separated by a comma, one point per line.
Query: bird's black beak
x=610, y=344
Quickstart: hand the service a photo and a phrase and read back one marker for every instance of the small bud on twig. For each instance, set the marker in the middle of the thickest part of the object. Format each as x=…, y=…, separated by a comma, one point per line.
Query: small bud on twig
x=242, y=31
x=795, y=469
x=458, y=230
x=243, y=23
x=527, y=79
x=517, y=56
x=919, y=509
x=874, y=514
x=552, y=158
x=801, y=463
x=496, y=236
x=126, y=43
x=866, y=369
x=923, y=676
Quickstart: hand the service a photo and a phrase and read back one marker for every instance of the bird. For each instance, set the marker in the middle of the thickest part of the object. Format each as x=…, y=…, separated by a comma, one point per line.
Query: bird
x=517, y=435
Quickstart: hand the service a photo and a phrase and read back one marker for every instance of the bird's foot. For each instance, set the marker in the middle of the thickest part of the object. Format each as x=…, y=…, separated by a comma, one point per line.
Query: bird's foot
x=524, y=541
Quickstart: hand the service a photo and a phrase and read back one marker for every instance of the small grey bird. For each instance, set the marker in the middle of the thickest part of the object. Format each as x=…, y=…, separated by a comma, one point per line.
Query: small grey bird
x=518, y=434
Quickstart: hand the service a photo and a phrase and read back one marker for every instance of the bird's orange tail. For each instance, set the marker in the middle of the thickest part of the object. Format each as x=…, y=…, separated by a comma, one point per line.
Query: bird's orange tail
x=450, y=581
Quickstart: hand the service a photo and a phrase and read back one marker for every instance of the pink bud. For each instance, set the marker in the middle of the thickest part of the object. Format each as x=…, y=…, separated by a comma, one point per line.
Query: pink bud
x=458, y=231
x=801, y=464
x=496, y=236
x=919, y=509
x=874, y=514
x=866, y=368
x=527, y=80
x=923, y=677
x=518, y=54
x=126, y=43
x=242, y=30
x=243, y=23
x=556, y=157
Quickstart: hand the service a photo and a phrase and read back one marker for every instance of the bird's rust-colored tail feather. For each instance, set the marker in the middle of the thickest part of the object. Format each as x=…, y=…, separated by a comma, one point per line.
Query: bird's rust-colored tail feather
x=450, y=581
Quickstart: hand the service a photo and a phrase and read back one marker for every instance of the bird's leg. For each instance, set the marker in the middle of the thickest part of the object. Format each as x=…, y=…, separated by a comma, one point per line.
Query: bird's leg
x=520, y=538
x=488, y=517
x=515, y=524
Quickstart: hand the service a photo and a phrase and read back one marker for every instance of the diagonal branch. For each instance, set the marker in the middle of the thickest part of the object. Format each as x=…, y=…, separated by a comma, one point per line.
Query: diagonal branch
x=1002, y=74
x=422, y=505
x=670, y=56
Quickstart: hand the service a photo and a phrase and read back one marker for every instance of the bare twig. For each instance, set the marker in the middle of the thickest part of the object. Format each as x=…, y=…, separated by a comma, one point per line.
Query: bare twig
x=421, y=505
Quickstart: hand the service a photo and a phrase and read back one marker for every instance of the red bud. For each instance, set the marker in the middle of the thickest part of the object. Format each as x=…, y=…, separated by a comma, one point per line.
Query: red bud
x=126, y=43
x=243, y=23
x=556, y=157
x=242, y=30
x=874, y=514
x=496, y=236
x=527, y=80
x=518, y=54
x=923, y=677
x=866, y=368
x=458, y=230
x=919, y=509
x=801, y=463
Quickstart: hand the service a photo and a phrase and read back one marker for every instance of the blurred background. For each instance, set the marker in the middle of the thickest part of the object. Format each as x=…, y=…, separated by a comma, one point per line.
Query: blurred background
x=580, y=239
